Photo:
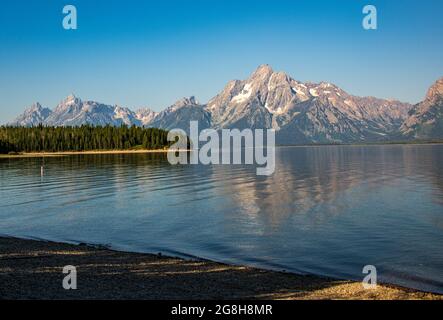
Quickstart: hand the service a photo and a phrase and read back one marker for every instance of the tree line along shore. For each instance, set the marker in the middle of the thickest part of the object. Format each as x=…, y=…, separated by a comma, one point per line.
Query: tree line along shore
x=83, y=138
x=38, y=140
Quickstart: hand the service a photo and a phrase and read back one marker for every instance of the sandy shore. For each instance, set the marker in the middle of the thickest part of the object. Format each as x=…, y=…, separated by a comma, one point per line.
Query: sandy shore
x=69, y=153
x=33, y=270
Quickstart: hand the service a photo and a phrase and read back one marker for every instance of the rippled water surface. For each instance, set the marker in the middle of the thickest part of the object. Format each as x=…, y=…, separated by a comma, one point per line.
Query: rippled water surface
x=326, y=210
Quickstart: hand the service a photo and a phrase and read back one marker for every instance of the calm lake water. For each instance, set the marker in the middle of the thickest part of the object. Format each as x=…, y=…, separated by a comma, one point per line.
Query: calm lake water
x=326, y=210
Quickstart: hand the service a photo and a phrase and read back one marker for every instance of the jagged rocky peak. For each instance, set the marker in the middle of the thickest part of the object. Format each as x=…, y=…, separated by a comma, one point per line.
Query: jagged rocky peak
x=71, y=99
x=265, y=79
x=125, y=115
x=436, y=90
x=145, y=115
x=263, y=71
x=425, y=120
x=328, y=85
x=36, y=106
x=265, y=87
x=316, y=110
x=186, y=101
x=34, y=115
x=68, y=102
x=145, y=112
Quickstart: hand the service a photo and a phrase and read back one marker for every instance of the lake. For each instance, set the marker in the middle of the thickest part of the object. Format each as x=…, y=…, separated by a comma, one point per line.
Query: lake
x=326, y=210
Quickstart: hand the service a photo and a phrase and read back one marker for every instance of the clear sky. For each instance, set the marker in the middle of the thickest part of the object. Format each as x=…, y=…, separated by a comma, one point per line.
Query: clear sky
x=151, y=53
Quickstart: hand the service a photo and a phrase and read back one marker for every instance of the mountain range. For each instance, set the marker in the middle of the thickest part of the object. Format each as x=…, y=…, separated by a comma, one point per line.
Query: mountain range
x=299, y=112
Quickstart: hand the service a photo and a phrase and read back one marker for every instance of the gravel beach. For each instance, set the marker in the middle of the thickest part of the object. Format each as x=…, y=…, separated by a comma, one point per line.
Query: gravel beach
x=33, y=270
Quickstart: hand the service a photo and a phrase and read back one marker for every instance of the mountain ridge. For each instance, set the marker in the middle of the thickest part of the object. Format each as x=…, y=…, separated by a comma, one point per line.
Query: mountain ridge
x=299, y=112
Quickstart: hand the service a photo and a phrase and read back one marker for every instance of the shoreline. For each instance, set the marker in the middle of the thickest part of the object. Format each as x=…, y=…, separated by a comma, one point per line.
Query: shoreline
x=91, y=152
x=32, y=269
x=142, y=151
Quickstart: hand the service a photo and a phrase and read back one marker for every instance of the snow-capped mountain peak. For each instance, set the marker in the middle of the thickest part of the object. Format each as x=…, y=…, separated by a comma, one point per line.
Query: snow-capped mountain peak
x=300, y=112
x=270, y=99
x=71, y=100
x=35, y=107
x=145, y=115
x=32, y=116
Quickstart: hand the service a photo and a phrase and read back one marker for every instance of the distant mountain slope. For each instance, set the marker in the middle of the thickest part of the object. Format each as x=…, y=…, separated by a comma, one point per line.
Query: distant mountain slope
x=145, y=115
x=299, y=112
x=74, y=112
x=304, y=112
x=180, y=114
x=32, y=116
x=425, y=120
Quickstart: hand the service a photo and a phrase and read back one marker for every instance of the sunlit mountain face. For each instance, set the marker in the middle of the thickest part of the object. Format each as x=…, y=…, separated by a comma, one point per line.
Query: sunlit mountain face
x=299, y=112
x=425, y=120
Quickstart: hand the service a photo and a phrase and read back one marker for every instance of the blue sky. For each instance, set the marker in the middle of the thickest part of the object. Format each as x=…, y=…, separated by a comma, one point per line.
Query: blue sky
x=151, y=53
